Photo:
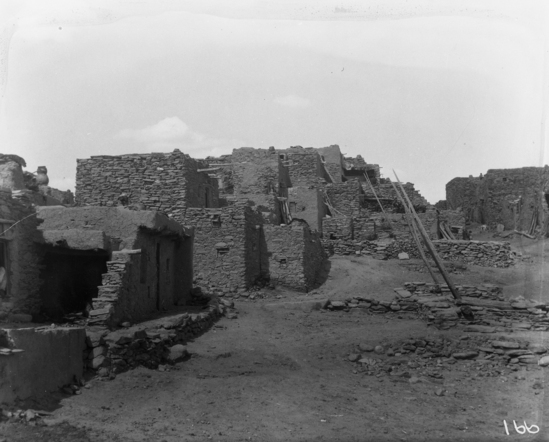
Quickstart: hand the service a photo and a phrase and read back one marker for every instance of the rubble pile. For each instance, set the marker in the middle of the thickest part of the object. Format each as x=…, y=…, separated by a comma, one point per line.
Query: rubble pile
x=485, y=305
x=149, y=343
x=415, y=359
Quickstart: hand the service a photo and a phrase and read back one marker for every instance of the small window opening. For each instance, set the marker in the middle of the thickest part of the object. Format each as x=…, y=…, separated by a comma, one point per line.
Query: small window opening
x=504, y=179
x=332, y=236
x=222, y=251
x=168, y=264
x=216, y=221
x=283, y=262
x=282, y=156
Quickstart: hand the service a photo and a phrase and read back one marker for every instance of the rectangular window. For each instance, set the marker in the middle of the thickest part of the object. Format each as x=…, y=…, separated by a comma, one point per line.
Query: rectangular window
x=222, y=251
x=216, y=221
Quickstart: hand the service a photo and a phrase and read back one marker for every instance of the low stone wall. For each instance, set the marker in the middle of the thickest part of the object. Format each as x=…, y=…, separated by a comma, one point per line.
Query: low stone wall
x=491, y=312
x=481, y=253
x=149, y=343
x=36, y=361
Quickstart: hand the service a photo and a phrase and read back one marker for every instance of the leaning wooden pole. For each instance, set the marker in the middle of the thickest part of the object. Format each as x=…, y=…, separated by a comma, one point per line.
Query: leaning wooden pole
x=430, y=245
x=414, y=232
x=374, y=192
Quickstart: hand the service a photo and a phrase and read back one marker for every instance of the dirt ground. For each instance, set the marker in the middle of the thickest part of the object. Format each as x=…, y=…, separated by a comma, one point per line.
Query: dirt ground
x=280, y=372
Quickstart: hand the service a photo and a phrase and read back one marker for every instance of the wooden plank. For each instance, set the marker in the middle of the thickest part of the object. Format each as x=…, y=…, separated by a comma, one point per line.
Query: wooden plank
x=430, y=245
x=524, y=234
x=415, y=235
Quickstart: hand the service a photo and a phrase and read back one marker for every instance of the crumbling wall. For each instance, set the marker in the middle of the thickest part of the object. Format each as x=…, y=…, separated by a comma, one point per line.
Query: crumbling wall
x=137, y=284
x=20, y=256
x=345, y=198
x=304, y=165
x=166, y=182
x=338, y=228
x=389, y=199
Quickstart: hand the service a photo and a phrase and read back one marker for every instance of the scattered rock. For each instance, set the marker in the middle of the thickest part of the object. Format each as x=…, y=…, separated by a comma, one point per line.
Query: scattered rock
x=379, y=349
x=177, y=353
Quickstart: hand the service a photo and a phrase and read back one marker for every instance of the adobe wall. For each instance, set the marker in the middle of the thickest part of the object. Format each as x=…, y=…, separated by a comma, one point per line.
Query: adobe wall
x=167, y=182
x=152, y=272
x=333, y=162
x=138, y=283
x=51, y=359
x=307, y=203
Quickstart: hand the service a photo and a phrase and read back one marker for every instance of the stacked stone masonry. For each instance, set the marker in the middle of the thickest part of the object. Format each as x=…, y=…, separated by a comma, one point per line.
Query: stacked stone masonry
x=481, y=253
x=168, y=183
x=511, y=197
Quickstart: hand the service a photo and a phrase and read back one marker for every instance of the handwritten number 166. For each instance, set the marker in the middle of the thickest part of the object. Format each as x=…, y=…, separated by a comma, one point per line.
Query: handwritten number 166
x=521, y=429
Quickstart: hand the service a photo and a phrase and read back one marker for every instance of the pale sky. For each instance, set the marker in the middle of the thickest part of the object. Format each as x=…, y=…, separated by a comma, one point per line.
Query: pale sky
x=432, y=89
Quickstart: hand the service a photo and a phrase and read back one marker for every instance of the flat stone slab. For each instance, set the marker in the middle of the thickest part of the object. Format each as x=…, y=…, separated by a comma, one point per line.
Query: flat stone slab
x=506, y=344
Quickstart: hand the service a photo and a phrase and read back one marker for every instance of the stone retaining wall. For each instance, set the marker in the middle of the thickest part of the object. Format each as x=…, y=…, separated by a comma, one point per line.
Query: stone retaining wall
x=491, y=311
x=148, y=343
x=482, y=253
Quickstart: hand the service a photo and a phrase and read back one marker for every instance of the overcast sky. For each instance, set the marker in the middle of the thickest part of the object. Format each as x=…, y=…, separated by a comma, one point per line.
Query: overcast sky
x=432, y=89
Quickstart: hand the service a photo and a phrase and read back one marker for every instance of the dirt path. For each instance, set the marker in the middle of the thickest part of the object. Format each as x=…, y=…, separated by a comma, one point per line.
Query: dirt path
x=279, y=372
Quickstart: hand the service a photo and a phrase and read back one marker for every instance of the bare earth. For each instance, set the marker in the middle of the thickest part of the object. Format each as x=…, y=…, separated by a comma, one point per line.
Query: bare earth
x=279, y=372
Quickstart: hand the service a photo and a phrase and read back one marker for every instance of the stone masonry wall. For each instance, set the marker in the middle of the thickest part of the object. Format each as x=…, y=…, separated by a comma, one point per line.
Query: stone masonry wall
x=304, y=165
x=224, y=238
x=295, y=256
x=502, y=196
x=481, y=253
x=338, y=228
x=345, y=198
x=167, y=182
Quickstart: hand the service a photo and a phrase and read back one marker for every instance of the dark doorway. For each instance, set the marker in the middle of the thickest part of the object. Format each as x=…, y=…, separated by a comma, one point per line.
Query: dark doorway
x=70, y=280
x=158, y=270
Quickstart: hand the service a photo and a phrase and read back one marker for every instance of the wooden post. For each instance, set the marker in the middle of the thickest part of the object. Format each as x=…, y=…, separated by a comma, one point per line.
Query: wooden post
x=430, y=245
x=414, y=232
